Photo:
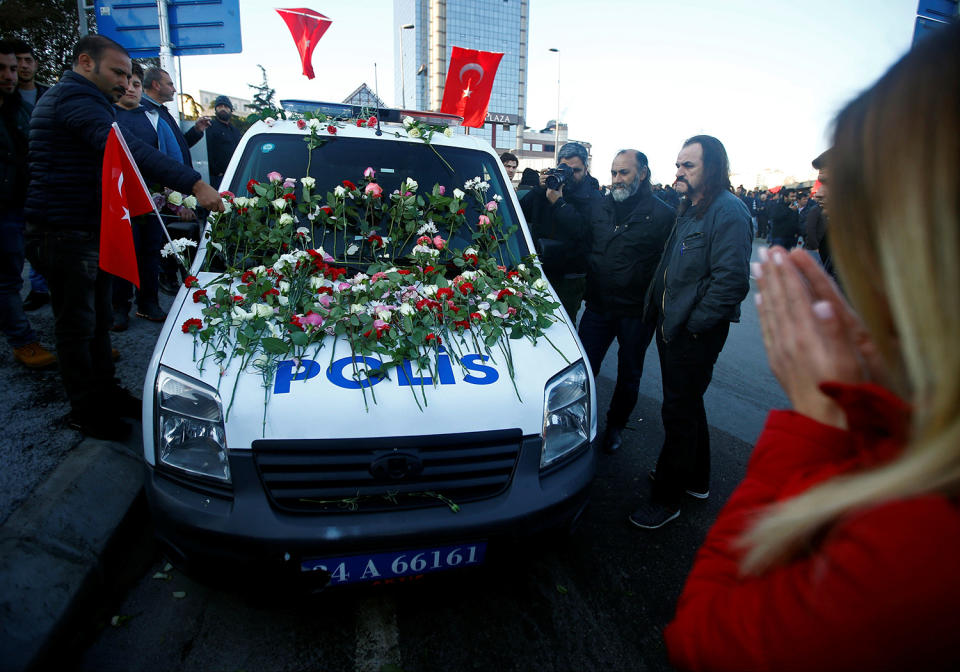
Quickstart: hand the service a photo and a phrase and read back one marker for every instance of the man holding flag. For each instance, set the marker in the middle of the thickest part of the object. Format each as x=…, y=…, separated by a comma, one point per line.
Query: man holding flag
x=69, y=132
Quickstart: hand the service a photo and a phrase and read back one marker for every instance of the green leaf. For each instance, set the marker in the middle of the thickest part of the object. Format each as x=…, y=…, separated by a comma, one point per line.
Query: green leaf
x=273, y=345
x=299, y=338
x=562, y=589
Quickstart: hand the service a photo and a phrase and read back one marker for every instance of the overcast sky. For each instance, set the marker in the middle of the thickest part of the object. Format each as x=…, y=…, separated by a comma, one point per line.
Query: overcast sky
x=764, y=76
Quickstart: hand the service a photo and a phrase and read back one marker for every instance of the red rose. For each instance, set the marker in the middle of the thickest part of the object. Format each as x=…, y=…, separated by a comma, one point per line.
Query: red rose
x=403, y=272
x=192, y=325
x=191, y=281
x=428, y=269
x=475, y=316
x=360, y=123
x=326, y=209
x=472, y=258
x=332, y=130
x=512, y=274
x=349, y=185
x=290, y=197
x=248, y=277
x=466, y=288
x=270, y=292
x=503, y=293
x=444, y=292
x=237, y=299
x=227, y=194
x=325, y=290
x=375, y=240
x=301, y=124
x=295, y=322
x=199, y=295
x=250, y=186
x=371, y=122
x=462, y=324
x=461, y=211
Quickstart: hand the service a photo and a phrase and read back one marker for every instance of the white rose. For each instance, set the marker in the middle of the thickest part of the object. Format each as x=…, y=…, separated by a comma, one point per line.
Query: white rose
x=539, y=284
x=279, y=204
x=190, y=202
x=316, y=282
x=283, y=300
x=469, y=250
x=259, y=270
x=408, y=122
x=284, y=287
x=358, y=308
x=286, y=219
x=314, y=124
x=385, y=315
x=240, y=315
x=269, y=121
x=469, y=275
x=263, y=310
x=522, y=268
x=406, y=309
x=447, y=132
x=308, y=182
x=414, y=132
x=352, y=249
x=430, y=290
x=215, y=321
x=411, y=184
x=458, y=194
x=175, y=198
x=339, y=191
x=227, y=206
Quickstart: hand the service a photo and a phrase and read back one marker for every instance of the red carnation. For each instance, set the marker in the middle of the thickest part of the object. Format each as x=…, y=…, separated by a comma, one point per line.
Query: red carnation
x=227, y=194
x=237, y=298
x=472, y=258
x=371, y=122
x=403, y=272
x=349, y=185
x=375, y=240
x=270, y=292
x=433, y=337
x=325, y=290
x=248, y=277
x=290, y=197
x=466, y=288
x=504, y=293
x=428, y=269
x=192, y=325
x=475, y=316
x=199, y=295
x=463, y=324
x=301, y=124
x=191, y=281
x=360, y=123
x=332, y=130
x=444, y=292
x=295, y=322
x=250, y=186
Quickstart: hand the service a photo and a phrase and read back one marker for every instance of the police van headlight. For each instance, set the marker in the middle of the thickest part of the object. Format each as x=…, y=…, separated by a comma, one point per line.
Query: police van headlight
x=190, y=433
x=566, y=414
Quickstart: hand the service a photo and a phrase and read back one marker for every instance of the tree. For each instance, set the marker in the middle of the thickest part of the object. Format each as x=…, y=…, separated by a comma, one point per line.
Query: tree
x=51, y=27
x=263, y=98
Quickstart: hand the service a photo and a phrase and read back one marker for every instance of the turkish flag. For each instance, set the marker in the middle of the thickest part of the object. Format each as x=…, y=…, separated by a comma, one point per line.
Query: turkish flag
x=124, y=195
x=307, y=27
x=470, y=76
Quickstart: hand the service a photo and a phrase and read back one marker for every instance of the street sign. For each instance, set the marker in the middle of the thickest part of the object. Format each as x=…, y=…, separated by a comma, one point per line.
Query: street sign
x=197, y=27
x=933, y=15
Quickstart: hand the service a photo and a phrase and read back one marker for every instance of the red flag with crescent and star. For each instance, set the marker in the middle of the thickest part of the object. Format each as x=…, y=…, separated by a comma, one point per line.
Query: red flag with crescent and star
x=469, y=84
x=307, y=27
x=124, y=195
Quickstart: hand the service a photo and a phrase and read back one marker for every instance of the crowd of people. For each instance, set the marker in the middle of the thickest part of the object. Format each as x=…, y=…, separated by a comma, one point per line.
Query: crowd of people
x=838, y=550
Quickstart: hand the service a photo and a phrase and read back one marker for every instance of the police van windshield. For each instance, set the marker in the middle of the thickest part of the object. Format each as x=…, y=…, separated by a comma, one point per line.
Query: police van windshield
x=342, y=158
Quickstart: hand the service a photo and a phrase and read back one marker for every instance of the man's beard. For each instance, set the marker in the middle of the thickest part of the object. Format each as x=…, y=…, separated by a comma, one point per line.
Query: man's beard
x=223, y=116
x=622, y=192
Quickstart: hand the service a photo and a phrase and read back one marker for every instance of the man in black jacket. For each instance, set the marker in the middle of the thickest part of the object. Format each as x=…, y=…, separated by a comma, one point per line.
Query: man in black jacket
x=68, y=134
x=695, y=295
x=784, y=223
x=222, y=138
x=560, y=220
x=626, y=244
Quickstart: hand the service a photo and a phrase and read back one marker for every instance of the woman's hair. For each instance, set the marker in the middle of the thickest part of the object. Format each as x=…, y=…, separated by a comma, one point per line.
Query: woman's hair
x=895, y=233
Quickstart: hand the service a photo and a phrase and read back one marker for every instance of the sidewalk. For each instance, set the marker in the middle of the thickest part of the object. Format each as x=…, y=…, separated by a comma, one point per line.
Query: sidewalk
x=59, y=550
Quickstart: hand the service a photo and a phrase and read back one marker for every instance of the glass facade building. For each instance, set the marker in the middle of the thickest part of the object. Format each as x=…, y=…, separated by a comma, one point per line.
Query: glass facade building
x=423, y=53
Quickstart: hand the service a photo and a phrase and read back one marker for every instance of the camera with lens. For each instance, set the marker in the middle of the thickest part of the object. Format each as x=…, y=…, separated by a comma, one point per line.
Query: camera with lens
x=556, y=177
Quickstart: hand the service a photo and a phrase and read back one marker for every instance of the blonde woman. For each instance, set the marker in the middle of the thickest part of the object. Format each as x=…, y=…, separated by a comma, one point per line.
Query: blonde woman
x=841, y=548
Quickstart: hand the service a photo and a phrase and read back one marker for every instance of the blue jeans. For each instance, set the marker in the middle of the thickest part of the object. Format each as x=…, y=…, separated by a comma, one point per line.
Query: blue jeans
x=597, y=331
x=80, y=296
x=13, y=320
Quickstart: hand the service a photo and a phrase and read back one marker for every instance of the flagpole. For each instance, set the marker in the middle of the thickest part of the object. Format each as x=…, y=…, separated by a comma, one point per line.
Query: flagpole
x=126, y=149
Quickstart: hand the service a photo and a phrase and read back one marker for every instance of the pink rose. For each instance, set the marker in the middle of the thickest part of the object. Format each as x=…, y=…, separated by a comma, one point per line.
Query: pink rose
x=369, y=172
x=492, y=206
x=289, y=183
x=374, y=189
x=442, y=190
x=313, y=319
x=325, y=300
x=484, y=221
x=274, y=177
x=439, y=242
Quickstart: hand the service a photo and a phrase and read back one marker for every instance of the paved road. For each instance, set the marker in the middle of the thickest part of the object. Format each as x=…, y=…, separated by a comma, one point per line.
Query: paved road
x=597, y=600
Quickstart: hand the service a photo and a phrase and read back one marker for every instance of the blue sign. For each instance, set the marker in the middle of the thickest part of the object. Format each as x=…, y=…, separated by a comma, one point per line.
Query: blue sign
x=197, y=27
x=933, y=15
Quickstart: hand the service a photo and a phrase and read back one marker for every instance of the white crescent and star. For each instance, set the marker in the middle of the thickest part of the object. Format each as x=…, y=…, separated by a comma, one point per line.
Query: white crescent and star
x=126, y=212
x=471, y=67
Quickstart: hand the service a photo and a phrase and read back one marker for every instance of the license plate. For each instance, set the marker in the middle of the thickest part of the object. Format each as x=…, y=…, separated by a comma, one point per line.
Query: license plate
x=389, y=567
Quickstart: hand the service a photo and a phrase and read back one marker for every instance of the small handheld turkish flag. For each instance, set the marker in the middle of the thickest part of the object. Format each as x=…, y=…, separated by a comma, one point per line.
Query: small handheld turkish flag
x=307, y=27
x=469, y=83
x=124, y=195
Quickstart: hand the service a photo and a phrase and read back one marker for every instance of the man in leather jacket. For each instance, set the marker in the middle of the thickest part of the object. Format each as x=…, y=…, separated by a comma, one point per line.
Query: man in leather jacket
x=695, y=295
x=625, y=246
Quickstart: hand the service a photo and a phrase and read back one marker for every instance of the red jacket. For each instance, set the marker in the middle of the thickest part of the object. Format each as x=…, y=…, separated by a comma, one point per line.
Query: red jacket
x=881, y=590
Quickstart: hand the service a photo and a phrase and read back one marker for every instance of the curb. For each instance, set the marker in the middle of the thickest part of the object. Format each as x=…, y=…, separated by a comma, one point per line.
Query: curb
x=54, y=547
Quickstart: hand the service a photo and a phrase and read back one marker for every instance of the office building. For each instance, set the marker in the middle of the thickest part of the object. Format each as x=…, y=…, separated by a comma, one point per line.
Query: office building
x=423, y=53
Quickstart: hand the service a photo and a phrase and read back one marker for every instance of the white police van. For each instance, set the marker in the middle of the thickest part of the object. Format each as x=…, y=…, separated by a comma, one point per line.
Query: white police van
x=313, y=476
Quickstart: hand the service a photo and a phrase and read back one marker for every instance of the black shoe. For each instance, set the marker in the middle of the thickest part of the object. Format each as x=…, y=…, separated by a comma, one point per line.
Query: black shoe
x=100, y=426
x=121, y=320
x=151, y=312
x=651, y=515
x=36, y=300
x=699, y=494
x=125, y=404
x=612, y=439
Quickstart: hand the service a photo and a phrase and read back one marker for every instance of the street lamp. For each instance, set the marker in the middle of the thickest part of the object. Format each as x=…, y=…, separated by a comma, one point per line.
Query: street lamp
x=556, y=122
x=403, y=83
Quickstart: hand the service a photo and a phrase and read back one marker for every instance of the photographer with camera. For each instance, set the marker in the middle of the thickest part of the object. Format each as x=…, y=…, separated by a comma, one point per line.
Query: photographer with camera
x=560, y=212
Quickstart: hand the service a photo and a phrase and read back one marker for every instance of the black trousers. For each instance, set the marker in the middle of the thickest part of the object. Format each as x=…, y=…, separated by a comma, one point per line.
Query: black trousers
x=148, y=239
x=80, y=294
x=597, y=331
x=686, y=364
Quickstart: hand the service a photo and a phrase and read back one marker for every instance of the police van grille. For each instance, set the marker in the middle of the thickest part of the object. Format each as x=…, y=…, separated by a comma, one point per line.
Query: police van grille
x=335, y=475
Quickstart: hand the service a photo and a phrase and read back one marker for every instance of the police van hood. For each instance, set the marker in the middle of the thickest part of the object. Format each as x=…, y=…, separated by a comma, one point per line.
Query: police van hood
x=474, y=391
